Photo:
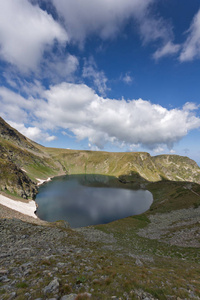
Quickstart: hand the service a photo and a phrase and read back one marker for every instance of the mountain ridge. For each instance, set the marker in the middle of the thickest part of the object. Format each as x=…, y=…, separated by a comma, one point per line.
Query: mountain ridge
x=23, y=162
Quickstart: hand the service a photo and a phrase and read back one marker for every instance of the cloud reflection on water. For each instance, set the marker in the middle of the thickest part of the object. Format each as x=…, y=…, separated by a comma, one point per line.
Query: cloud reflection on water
x=85, y=205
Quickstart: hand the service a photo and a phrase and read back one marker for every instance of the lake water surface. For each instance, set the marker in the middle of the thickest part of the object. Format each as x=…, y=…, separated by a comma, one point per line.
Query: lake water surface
x=84, y=200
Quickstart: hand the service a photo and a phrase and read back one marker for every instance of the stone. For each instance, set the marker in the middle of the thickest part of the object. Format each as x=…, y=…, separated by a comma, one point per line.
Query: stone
x=12, y=295
x=3, y=272
x=52, y=286
x=138, y=262
x=4, y=279
x=26, y=265
x=60, y=265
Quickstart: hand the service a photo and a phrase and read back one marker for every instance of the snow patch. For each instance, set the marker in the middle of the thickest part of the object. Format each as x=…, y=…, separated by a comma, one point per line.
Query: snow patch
x=22, y=207
x=41, y=181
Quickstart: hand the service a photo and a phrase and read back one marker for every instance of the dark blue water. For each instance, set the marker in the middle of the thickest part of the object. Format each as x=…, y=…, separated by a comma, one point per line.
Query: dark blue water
x=82, y=201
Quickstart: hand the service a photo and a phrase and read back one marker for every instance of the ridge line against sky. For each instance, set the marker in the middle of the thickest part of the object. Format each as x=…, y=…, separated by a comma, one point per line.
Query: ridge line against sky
x=106, y=74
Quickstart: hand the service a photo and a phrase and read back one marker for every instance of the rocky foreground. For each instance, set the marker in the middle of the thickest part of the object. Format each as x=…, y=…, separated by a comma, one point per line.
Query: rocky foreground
x=41, y=260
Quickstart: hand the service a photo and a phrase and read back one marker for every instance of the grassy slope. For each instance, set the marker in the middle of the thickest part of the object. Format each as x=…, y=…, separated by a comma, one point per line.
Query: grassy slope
x=130, y=165
x=22, y=162
x=167, y=270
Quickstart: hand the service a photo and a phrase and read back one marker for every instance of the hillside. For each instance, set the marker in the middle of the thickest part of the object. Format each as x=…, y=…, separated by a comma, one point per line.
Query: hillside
x=132, y=165
x=21, y=162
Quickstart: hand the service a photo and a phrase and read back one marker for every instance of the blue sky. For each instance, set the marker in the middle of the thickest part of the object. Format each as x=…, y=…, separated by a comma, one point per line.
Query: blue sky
x=107, y=75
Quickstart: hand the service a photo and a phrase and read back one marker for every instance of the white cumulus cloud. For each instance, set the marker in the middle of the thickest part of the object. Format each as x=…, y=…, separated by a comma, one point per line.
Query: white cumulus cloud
x=25, y=33
x=158, y=149
x=107, y=18
x=101, y=120
x=79, y=110
x=13, y=106
x=104, y=17
x=33, y=133
x=189, y=106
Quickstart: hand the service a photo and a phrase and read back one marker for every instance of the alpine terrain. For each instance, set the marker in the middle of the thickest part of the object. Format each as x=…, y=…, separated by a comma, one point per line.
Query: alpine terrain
x=154, y=255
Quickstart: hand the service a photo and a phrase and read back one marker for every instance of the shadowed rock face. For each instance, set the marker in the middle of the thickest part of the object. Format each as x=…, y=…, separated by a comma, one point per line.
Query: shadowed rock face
x=13, y=179
x=13, y=149
x=17, y=182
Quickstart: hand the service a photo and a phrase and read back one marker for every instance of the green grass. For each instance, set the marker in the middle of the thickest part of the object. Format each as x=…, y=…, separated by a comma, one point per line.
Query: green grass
x=21, y=285
x=40, y=171
x=169, y=195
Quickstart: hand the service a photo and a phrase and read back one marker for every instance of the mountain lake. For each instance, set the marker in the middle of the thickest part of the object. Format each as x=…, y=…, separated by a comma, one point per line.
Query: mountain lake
x=84, y=200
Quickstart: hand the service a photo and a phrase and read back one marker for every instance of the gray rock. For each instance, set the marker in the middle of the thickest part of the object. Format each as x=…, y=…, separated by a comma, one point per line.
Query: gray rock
x=60, y=265
x=138, y=262
x=26, y=265
x=3, y=272
x=27, y=272
x=4, y=279
x=12, y=295
x=52, y=286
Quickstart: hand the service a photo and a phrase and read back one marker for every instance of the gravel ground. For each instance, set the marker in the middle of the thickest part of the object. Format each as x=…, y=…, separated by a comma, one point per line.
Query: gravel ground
x=39, y=260
x=7, y=213
x=42, y=262
x=180, y=228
